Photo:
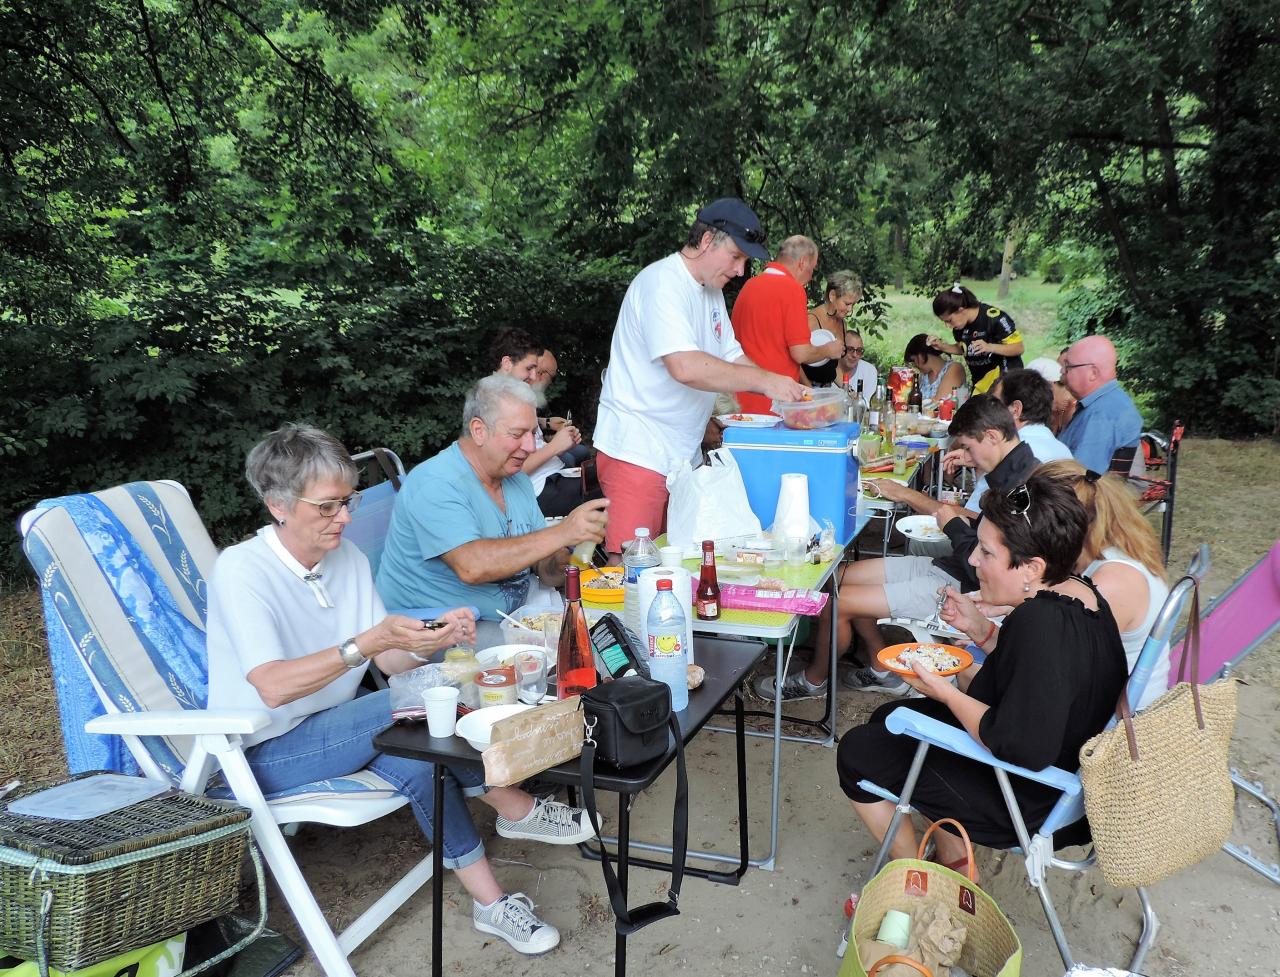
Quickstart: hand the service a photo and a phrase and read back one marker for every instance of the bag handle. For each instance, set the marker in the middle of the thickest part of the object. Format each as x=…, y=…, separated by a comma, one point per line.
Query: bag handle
x=628, y=921
x=964, y=836
x=1190, y=649
x=898, y=958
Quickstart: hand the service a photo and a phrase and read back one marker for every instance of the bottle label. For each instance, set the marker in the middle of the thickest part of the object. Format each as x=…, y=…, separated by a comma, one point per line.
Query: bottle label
x=666, y=645
x=708, y=610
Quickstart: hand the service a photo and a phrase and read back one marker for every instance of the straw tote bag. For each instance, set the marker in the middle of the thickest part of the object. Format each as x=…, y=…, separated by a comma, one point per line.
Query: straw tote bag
x=991, y=947
x=1157, y=787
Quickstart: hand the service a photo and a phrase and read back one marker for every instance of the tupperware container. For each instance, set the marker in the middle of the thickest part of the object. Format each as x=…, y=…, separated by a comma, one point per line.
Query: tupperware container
x=825, y=409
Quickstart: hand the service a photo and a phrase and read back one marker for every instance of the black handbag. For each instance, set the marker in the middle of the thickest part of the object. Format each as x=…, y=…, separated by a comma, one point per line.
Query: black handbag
x=629, y=722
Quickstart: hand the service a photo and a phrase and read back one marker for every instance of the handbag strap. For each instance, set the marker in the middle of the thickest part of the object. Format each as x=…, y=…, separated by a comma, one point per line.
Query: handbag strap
x=628, y=921
x=1190, y=650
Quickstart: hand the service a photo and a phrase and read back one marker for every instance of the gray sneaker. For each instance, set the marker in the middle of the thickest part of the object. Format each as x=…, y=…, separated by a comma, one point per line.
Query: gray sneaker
x=794, y=686
x=866, y=679
x=551, y=822
x=512, y=918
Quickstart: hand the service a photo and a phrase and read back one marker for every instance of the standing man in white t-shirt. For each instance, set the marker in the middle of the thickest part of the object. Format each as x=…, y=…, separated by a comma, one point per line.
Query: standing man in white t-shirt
x=673, y=350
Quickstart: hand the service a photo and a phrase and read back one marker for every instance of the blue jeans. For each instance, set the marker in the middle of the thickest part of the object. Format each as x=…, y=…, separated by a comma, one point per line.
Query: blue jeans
x=339, y=741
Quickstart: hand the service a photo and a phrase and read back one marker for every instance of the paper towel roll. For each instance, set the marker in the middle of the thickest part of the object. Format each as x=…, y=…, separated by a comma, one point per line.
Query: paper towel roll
x=791, y=518
x=682, y=585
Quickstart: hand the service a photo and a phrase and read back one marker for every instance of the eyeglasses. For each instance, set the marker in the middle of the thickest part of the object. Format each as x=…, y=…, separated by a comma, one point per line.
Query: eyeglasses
x=1072, y=366
x=1020, y=502
x=854, y=350
x=329, y=507
x=752, y=235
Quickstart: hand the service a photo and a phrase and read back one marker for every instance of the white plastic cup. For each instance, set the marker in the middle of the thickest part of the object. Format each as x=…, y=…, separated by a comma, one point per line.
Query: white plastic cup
x=672, y=556
x=442, y=710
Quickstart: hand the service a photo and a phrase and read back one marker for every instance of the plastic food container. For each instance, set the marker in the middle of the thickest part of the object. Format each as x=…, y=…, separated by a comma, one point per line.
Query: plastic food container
x=531, y=615
x=827, y=407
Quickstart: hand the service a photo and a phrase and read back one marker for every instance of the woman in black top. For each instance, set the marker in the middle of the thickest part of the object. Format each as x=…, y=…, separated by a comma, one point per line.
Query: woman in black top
x=1050, y=682
x=986, y=336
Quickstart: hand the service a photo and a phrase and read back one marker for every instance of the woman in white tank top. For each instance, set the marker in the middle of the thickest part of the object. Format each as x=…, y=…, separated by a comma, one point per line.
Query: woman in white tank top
x=1122, y=557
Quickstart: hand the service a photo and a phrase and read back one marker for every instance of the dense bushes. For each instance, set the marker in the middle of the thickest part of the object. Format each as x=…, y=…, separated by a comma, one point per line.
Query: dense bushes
x=179, y=382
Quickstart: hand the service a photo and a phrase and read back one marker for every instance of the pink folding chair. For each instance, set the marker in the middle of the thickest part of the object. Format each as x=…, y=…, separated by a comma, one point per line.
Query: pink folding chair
x=1236, y=622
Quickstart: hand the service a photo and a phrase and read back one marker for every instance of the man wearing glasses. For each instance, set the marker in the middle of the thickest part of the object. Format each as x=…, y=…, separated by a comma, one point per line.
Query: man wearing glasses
x=673, y=350
x=854, y=368
x=1105, y=418
x=466, y=528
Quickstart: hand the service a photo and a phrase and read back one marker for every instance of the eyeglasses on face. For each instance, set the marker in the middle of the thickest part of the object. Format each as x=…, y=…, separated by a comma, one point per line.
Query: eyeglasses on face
x=1020, y=502
x=329, y=507
x=1072, y=366
x=854, y=350
x=751, y=235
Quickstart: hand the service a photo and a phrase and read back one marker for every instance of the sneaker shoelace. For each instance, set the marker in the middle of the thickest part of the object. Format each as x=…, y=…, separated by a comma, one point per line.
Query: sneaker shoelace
x=516, y=914
x=554, y=813
x=796, y=683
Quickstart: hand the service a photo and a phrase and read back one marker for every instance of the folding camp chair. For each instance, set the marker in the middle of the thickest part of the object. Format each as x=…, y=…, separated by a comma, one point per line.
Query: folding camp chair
x=123, y=574
x=1236, y=622
x=1038, y=850
x=368, y=527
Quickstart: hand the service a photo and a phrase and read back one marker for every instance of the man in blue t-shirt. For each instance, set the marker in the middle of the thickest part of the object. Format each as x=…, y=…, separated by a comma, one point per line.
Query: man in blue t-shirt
x=466, y=528
x=1105, y=417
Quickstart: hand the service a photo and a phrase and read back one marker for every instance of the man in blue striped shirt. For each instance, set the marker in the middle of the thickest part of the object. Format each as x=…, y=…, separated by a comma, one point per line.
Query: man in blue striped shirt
x=1105, y=418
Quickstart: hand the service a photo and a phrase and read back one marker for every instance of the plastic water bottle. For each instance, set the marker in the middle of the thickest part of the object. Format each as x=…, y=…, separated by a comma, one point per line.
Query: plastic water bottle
x=639, y=555
x=668, y=657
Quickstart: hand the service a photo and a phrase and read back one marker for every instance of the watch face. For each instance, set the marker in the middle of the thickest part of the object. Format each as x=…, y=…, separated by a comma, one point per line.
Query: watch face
x=351, y=655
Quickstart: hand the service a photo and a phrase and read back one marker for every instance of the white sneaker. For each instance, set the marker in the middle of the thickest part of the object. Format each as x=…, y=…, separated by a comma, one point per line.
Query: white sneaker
x=551, y=822
x=512, y=918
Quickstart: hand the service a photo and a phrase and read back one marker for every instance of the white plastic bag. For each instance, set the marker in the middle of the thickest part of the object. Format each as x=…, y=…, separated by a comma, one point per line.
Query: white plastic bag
x=708, y=503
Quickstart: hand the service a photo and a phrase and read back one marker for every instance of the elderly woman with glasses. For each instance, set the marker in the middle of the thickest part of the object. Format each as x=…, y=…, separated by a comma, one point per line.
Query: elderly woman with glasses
x=1050, y=681
x=294, y=621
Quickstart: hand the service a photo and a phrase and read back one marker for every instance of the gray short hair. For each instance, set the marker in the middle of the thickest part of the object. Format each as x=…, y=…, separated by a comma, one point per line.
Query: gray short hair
x=282, y=464
x=485, y=399
x=843, y=283
x=796, y=247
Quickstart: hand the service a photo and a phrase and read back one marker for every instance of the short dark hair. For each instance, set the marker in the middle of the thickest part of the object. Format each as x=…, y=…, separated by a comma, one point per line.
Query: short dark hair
x=954, y=299
x=1054, y=528
x=918, y=345
x=515, y=343
x=1033, y=390
x=700, y=228
x=979, y=413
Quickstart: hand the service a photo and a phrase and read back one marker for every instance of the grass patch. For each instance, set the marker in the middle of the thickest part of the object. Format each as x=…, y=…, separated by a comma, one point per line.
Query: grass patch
x=1032, y=303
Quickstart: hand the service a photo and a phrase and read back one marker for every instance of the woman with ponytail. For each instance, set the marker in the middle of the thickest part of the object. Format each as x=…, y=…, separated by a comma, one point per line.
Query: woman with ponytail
x=984, y=335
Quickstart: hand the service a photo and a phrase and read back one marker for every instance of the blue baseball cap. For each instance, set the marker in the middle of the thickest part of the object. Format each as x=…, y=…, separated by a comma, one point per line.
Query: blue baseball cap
x=731, y=215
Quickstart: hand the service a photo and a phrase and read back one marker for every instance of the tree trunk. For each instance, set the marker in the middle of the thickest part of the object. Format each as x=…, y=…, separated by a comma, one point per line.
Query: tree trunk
x=1011, y=242
x=900, y=255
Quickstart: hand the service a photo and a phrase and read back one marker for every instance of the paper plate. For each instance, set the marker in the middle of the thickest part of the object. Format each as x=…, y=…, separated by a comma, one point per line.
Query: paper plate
x=502, y=654
x=820, y=337
x=747, y=420
x=922, y=528
x=477, y=727
x=886, y=655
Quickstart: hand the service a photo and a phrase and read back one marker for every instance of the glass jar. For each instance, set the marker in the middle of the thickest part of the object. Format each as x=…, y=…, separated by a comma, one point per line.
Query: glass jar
x=461, y=666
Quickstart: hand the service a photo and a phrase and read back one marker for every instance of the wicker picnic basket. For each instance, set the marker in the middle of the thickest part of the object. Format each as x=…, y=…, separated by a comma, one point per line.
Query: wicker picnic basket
x=78, y=892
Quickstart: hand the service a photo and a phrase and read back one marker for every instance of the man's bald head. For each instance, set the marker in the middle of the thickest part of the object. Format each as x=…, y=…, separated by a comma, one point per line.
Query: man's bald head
x=799, y=255
x=1089, y=363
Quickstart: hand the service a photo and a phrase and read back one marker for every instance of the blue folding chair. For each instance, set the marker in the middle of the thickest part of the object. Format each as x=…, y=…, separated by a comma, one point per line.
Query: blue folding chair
x=1038, y=849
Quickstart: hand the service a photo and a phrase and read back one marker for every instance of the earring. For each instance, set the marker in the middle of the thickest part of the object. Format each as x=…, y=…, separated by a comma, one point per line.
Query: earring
x=282, y=522
x=1026, y=586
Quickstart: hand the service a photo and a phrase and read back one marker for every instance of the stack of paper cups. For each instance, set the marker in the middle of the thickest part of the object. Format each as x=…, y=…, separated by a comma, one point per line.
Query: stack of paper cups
x=681, y=585
x=791, y=518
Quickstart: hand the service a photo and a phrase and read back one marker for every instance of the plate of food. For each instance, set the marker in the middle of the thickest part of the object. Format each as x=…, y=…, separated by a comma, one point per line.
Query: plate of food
x=921, y=527
x=602, y=586
x=942, y=659
x=747, y=420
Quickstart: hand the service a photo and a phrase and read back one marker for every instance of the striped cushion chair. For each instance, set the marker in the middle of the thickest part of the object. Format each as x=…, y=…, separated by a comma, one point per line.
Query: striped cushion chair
x=122, y=576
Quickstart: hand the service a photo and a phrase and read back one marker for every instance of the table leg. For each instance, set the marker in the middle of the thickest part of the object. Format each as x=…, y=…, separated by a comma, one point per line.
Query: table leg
x=833, y=675
x=437, y=875
x=624, y=845
x=740, y=730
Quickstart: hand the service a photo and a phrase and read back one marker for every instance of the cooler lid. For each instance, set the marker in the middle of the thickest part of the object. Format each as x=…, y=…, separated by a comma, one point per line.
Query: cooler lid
x=836, y=436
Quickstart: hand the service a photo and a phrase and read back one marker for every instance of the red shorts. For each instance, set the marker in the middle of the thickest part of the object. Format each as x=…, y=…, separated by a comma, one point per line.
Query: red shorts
x=637, y=497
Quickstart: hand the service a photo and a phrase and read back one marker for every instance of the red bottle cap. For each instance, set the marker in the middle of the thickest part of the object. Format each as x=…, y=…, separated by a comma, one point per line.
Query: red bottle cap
x=664, y=584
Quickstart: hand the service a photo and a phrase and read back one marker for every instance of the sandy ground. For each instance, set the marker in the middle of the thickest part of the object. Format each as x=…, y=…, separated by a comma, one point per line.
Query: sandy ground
x=1217, y=918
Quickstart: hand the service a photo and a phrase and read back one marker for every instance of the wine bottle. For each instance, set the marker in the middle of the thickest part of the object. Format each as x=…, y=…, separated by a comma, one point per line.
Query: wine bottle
x=707, y=600
x=875, y=413
x=575, y=664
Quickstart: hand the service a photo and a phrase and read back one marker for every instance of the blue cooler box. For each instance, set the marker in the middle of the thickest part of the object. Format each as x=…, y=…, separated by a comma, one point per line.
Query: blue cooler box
x=829, y=457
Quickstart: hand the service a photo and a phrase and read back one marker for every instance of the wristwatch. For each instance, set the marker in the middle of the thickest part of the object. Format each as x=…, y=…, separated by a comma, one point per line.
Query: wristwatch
x=351, y=654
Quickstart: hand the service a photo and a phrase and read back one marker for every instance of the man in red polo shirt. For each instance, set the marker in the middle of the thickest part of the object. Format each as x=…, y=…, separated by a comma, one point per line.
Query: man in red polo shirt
x=771, y=322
